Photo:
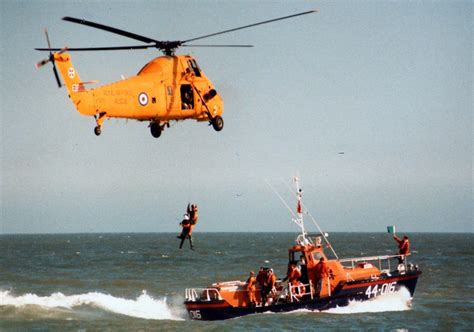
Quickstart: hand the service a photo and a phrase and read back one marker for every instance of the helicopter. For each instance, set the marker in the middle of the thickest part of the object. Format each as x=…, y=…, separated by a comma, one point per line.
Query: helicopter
x=168, y=88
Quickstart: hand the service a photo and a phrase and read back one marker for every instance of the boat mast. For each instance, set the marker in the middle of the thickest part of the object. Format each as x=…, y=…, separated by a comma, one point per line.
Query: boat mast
x=303, y=238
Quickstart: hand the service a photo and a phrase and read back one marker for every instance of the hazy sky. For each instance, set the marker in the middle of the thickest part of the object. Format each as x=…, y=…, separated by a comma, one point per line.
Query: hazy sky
x=388, y=83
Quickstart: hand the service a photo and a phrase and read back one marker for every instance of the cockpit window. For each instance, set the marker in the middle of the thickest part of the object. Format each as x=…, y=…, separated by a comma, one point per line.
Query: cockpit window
x=194, y=66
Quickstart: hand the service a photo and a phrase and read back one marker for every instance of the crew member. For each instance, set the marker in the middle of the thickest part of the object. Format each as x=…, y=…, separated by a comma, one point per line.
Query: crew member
x=250, y=285
x=303, y=269
x=270, y=286
x=293, y=273
x=186, y=232
x=190, y=220
x=261, y=276
x=261, y=280
x=322, y=273
x=403, y=247
x=183, y=224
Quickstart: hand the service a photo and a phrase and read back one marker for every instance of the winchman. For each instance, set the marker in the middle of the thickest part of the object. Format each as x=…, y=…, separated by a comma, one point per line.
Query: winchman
x=192, y=211
x=188, y=223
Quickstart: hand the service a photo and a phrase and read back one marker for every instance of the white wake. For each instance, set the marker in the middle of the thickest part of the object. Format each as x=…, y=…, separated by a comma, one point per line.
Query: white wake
x=143, y=306
x=398, y=301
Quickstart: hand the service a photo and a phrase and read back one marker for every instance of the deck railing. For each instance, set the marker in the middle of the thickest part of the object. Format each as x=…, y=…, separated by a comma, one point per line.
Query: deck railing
x=295, y=294
x=383, y=262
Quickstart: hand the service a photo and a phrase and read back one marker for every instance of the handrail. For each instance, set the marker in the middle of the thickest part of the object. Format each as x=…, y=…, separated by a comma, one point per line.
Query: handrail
x=228, y=283
x=370, y=258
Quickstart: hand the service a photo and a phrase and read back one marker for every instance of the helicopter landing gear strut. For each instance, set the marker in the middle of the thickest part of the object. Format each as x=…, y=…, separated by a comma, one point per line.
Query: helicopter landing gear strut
x=99, y=120
x=156, y=128
x=217, y=123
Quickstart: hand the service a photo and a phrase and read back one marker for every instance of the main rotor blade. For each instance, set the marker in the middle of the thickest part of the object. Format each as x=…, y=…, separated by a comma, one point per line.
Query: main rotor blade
x=251, y=25
x=111, y=48
x=196, y=45
x=111, y=29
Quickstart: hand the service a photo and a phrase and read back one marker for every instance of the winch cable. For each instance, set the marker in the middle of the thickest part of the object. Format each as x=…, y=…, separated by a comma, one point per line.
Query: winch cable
x=281, y=199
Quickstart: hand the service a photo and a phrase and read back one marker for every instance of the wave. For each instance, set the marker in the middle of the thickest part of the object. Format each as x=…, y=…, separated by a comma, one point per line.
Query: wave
x=147, y=307
x=398, y=301
x=144, y=306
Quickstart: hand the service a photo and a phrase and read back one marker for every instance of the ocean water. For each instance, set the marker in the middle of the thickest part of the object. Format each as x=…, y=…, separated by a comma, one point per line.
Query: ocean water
x=132, y=282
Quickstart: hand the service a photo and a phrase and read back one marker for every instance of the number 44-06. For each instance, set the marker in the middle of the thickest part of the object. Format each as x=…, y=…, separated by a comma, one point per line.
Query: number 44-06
x=383, y=289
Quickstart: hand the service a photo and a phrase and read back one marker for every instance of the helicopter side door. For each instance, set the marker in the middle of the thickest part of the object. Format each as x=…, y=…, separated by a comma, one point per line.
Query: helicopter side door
x=187, y=97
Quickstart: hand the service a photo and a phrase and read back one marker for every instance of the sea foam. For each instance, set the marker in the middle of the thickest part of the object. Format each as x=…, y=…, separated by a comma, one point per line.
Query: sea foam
x=143, y=306
x=397, y=301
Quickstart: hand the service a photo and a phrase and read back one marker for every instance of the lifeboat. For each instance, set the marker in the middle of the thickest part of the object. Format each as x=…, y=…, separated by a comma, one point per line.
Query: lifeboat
x=347, y=279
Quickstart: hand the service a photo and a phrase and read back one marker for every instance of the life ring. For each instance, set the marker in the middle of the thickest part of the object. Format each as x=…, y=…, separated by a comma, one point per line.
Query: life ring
x=298, y=290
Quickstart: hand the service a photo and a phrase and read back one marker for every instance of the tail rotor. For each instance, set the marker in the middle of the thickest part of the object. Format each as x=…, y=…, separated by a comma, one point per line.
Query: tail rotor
x=50, y=59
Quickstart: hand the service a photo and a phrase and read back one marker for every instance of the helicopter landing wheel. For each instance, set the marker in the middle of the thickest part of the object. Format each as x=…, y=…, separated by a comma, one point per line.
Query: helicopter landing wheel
x=97, y=131
x=155, y=129
x=217, y=123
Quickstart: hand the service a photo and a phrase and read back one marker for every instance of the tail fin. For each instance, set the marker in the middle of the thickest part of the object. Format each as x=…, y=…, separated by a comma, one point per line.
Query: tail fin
x=81, y=98
x=70, y=77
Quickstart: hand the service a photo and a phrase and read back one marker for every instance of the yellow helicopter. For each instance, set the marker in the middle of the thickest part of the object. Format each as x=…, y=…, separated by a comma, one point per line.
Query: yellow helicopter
x=168, y=88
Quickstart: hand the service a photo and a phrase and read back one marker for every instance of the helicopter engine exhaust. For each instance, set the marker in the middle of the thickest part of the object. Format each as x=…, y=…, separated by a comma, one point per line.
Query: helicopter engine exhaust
x=211, y=94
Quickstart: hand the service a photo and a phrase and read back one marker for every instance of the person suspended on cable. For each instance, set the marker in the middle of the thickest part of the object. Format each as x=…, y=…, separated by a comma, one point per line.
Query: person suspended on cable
x=193, y=213
x=188, y=223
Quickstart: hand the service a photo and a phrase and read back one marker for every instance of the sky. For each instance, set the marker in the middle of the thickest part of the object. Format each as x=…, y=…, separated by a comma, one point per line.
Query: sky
x=390, y=84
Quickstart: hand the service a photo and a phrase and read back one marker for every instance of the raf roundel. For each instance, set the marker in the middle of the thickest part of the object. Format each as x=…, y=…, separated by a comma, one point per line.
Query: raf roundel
x=143, y=99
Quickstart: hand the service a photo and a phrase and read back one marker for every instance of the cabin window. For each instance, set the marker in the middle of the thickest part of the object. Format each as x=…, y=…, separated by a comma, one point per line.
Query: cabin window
x=291, y=258
x=194, y=66
x=295, y=256
x=187, y=100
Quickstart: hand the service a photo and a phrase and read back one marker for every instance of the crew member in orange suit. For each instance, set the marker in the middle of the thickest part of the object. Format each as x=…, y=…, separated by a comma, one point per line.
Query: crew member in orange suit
x=250, y=285
x=193, y=213
x=322, y=272
x=190, y=220
x=403, y=247
x=293, y=273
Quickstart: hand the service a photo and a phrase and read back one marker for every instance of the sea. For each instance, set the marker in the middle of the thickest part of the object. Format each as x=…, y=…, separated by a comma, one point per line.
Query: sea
x=137, y=281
